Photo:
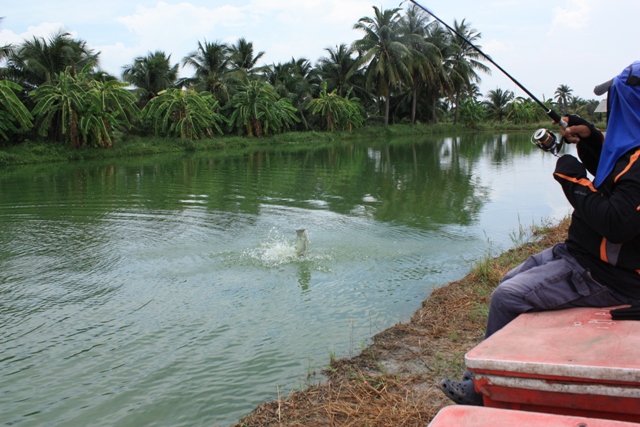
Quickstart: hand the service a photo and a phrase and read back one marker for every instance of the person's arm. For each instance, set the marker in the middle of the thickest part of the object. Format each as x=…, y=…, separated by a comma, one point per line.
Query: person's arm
x=616, y=217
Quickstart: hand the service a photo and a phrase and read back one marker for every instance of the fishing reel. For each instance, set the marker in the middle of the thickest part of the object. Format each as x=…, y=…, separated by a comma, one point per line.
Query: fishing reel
x=547, y=141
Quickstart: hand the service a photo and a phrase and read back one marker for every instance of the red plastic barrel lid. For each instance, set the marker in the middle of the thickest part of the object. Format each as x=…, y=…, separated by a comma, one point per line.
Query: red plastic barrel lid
x=578, y=343
x=476, y=416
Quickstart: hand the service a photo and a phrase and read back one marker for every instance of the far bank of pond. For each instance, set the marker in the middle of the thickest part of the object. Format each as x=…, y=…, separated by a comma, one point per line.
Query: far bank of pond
x=34, y=152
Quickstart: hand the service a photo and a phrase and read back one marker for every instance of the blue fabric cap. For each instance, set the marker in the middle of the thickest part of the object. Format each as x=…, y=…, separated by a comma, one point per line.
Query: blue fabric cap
x=623, y=128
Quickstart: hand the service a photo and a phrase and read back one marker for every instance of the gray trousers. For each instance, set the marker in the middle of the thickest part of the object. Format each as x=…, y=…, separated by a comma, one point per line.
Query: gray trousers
x=549, y=280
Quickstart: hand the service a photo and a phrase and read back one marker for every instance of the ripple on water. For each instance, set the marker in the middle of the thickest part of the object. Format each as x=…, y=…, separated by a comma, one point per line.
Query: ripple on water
x=171, y=293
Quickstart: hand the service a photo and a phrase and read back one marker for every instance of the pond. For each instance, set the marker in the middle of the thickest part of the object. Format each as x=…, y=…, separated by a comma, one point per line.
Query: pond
x=167, y=291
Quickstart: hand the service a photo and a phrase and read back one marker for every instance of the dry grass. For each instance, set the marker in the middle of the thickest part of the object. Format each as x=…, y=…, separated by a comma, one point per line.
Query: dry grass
x=393, y=381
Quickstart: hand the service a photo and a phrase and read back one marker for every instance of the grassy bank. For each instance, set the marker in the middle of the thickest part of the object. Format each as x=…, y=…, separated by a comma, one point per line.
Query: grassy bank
x=393, y=381
x=32, y=152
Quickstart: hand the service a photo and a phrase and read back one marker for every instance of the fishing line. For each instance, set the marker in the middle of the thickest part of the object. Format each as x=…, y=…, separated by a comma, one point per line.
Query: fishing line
x=543, y=138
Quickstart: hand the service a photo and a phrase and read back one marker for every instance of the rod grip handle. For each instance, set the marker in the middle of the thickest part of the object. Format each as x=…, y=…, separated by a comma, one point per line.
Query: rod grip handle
x=557, y=119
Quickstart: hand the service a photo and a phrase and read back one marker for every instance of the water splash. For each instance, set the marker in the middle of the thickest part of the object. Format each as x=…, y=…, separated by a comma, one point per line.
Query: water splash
x=276, y=250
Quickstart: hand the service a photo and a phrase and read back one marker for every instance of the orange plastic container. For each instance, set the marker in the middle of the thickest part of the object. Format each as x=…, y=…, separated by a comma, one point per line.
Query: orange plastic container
x=474, y=416
x=572, y=362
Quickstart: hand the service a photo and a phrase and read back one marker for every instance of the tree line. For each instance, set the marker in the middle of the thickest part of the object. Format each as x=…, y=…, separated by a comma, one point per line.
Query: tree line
x=405, y=69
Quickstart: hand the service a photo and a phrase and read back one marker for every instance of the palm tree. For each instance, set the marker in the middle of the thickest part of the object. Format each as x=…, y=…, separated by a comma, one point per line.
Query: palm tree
x=242, y=57
x=5, y=51
x=466, y=60
x=151, y=74
x=58, y=107
x=257, y=109
x=563, y=95
x=38, y=61
x=275, y=74
x=12, y=110
x=473, y=91
x=306, y=86
x=471, y=112
x=442, y=84
x=337, y=112
x=110, y=105
x=524, y=110
x=382, y=53
x=295, y=80
x=184, y=113
x=337, y=68
x=425, y=58
x=212, y=63
x=80, y=110
x=498, y=102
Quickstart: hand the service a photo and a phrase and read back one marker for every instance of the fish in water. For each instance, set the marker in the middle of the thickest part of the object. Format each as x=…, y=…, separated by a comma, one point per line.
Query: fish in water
x=302, y=241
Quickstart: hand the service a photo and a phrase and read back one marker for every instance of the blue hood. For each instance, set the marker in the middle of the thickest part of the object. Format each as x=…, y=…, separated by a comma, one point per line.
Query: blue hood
x=623, y=127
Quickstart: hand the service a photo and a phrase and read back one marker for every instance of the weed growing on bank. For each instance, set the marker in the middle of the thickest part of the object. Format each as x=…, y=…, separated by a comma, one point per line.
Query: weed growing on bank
x=393, y=381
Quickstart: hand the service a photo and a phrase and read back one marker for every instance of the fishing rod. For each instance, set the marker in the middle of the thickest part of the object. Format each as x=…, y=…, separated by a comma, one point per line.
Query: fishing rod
x=543, y=138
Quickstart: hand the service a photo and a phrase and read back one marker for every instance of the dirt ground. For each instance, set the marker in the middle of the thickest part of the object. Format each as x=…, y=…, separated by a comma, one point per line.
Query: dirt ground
x=393, y=382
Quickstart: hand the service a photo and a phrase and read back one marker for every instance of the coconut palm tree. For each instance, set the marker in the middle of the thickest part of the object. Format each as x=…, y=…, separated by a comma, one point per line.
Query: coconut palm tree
x=306, y=86
x=563, y=96
x=297, y=81
x=498, y=103
x=337, y=68
x=425, y=60
x=151, y=74
x=39, y=61
x=466, y=61
x=441, y=85
x=212, y=63
x=242, y=57
x=382, y=54
x=5, y=51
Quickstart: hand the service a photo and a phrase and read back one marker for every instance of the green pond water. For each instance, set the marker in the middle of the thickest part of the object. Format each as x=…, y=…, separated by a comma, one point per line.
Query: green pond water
x=166, y=291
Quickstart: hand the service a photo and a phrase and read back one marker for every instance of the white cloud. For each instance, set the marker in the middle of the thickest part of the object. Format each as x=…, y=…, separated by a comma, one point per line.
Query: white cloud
x=114, y=57
x=44, y=30
x=494, y=46
x=172, y=28
x=305, y=29
x=576, y=15
x=170, y=24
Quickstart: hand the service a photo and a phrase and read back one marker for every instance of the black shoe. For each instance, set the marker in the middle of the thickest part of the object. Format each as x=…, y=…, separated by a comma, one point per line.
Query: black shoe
x=461, y=392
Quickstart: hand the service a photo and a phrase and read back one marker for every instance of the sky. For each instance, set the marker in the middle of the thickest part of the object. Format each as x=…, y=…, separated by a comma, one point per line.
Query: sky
x=541, y=43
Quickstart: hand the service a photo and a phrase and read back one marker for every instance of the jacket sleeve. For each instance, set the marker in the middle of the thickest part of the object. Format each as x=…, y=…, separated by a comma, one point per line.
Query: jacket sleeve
x=616, y=216
x=589, y=150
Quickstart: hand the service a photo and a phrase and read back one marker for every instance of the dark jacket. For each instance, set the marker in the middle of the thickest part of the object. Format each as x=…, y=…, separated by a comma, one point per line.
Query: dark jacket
x=604, y=235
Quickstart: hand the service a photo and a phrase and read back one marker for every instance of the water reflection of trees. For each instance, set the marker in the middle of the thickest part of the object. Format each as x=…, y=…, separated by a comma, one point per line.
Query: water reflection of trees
x=418, y=183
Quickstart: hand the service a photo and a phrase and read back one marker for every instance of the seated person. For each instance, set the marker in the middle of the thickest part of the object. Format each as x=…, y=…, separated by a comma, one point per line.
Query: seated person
x=599, y=263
